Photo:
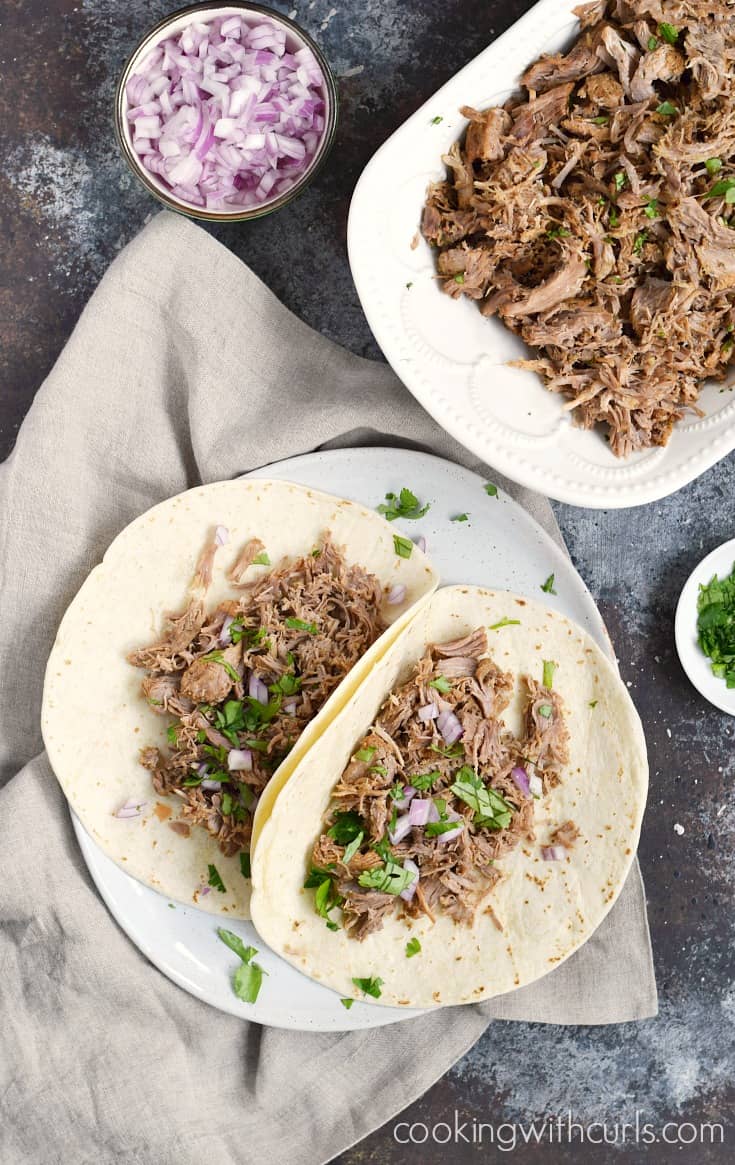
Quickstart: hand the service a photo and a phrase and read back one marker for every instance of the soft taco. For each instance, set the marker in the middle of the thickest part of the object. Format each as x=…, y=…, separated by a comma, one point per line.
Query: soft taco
x=469, y=817
x=199, y=660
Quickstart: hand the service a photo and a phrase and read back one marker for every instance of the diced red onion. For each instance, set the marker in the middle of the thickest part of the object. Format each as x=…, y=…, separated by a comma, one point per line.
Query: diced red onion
x=450, y=834
x=428, y=712
x=223, y=115
x=224, y=635
x=396, y=595
x=202, y=769
x=204, y=889
x=131, y=808
x=222, y=535
x=240, y=760
x=553, y=853
x=257, y=689
x=408, y=893
x=289, y=707
x=536, y=786
x=422, y=544
x=520, y=776
x=449, y=726
x=211, y=786
x=420, y=811
x=404, y=801
x=402, y=827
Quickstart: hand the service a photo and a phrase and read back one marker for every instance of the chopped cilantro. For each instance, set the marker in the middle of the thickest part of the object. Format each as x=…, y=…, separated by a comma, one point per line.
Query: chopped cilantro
x=434, y=828
x=347, y=826
x=614, y=217
x=603, y=119
x=652, y=43
x=490, y=808
x=261, y=559
x=424, y=781
x=365, y=755
x=347, y=1003
x=447, y=750
x=549, y=669
x=226, y=804
x=327, y=897
x=287, y=685
x=504, y=622
x=652, y=209
x=369, y=986
x=316, y=876
x=441, y=683
x=235, y=943
x=460, y=518
x=725, y=188
x=639, y=242
x=172, y=735
x=436, y=120
x=402, y=546
x=666, y=109
x=545, y=710
x=171, y=906
x=408, y=288
x=558, y=233
x=217, y=657
x=490, y=489
x=413, y=946
x=716, y=625
x=247, y=981
x=548, y=586
x=402, y=505
x=713, y=165
x=668, y=32
x=459, y=277
x=352, y=848
x=215, y=880
x=593, y=703
x=389, y=879
x=245, y=864
x=619, y=180
x=300, y=625
x=381, y=770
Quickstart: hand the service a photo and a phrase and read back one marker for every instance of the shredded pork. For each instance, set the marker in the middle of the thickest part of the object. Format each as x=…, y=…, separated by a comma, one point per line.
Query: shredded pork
x=401, y=751
x=593, y=214
x=298, y=630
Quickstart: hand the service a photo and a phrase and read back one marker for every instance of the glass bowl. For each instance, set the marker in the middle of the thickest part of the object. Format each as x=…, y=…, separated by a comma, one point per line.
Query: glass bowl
x=175, y=23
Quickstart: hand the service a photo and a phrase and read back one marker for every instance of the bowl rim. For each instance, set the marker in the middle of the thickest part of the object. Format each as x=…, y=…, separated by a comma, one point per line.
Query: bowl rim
x=241, y=214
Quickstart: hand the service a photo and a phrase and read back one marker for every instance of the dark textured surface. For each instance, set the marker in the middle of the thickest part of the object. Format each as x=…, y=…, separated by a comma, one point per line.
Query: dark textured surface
x=68, y=204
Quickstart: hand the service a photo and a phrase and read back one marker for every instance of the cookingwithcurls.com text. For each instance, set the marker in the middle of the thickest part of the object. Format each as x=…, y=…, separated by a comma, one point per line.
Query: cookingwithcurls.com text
x=506, y=1136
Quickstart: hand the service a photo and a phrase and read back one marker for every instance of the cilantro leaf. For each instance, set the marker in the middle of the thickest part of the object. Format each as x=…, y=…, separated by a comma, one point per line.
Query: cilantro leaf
x=460, y=518
x=448, y=750
x=247, y=981
x=369, y=986
x=549, y=669
x=413, y=946
x=300, y=625
x=346, y=827
x=666, y=109
x=245, y=864
x=403, y=505
x=545, y=710
x=172, y=735
x=261, y=559
x=548, y=586
x=217, y=657
x=491, y=809
x=389, y=879
x=214, y=879
x=441, y=683
x=235, y=943
x=347, y=1003
x=668, y=32
x=490, y=489
x=713, y=165
x=352, y=848
x=725, y=188
x=504, y=622
x=424, y=781
x=434, y=828
x=402, y=546
x=365, y=755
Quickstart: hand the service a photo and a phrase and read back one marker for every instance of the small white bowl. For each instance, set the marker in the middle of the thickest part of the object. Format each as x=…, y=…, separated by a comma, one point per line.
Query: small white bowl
x=695, y=663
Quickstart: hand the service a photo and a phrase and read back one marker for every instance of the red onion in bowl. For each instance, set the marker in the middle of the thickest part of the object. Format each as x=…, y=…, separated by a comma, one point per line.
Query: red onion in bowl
x=224, y=111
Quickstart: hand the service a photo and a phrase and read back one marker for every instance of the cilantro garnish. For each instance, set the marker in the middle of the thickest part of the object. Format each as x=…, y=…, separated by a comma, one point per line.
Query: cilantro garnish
x=261, y=559
x=245, y=864
x=347, y=1003
x=460, y=518
x=545, y=710
x=725, y=188
x=380, y=769
x=316, y=876
x=214, y=879
x=300, y=625
x=601, y=120
x=490, y=808
x=436, y=120
x=713, y=165
x=652, y=43
x=668, y=32
x=459, y=277
x=549, y=669
x=172, y=735
x=434, y=828
x=441, y=683
x=593, y=703
x=413, y=946
x=327, y=897
x=217, y=657
x=287, y=685
x=490, y=489
x=425, y=780
x=558, y=233
x=666, y=109
x=639, y=242
x=652, y=208
x=619, y=180
x=548, y=586
x=369, y=986
x=365, y=755
x=352, y=848
x=402, y=505
x=402, y=546
x=447, y=750
x=716, y=625
x=248, y=978
x=504, y=622
x=347, y=826
x=226, y=804
x=389, y=879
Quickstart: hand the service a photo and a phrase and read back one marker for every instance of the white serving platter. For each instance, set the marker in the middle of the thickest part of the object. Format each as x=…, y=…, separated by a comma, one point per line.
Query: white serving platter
x=500, y=546
x=453, y=360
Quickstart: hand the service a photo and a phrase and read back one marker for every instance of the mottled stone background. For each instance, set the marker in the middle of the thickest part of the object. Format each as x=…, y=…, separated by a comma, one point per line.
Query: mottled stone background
x=67, y=205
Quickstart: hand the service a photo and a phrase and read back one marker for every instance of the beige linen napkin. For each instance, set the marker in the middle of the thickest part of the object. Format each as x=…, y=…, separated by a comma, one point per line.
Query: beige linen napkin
x=185, y=369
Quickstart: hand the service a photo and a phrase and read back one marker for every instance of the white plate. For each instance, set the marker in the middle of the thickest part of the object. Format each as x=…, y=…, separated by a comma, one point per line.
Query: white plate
x=499, y=546
x=695, y=663
x=454, y=360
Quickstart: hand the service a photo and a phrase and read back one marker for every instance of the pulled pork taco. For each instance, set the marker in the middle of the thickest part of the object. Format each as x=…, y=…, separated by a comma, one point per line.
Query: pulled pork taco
x=218, y=636
x=468, y=818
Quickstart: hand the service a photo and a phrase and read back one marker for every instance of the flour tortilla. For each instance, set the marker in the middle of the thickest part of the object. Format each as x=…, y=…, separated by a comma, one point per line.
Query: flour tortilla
x=94, y=718
x=546, y=909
